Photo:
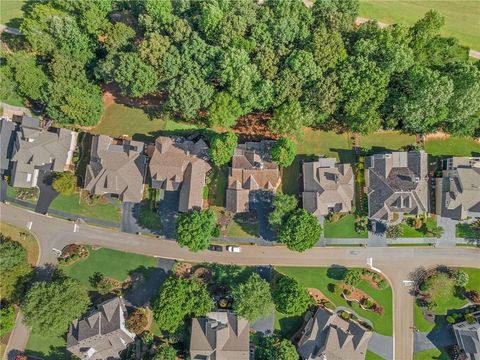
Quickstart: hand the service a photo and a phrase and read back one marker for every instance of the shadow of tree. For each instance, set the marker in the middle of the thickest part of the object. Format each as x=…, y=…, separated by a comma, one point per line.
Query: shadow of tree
x=337, y=272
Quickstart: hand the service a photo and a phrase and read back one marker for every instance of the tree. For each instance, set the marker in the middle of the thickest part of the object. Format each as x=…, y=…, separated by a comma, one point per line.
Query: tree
x=7, y=319
x=394, y=231
x=336, y=14
x=177, y=299
x=65, y=183
x=137, y=321
x=252, y=299
x=195, y=228
x=117, y=36
x=284, y=151
x=275, y=348
x=160, y=10
x=420, y=100
x=224, y=110
x=30, y=78
x=165, y=352
x=288, y=118
x=135, y=77
x=283, y=205
x=290, y=297
x=353, y=277
x=101, y=283
x=425, y=29
x=50, y=307
x=222, y=147
x=153, y=49
x=300, y=231
x=461, y=278
x=14, y=268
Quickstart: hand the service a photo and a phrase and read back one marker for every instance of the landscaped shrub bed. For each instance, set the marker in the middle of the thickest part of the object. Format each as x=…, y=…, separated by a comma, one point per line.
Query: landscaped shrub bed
x=72, y=253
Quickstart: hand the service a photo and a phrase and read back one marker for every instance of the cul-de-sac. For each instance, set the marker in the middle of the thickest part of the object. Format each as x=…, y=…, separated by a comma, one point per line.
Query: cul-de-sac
x=239, y=180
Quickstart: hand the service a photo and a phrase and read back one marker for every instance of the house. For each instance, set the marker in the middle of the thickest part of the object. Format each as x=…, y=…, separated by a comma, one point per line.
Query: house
x=7, y=136
x=327, y=336
x=117, y=167
x=327, y=187
x=220, y=336
x=458, y=190
x=468, y=337
x=396, y=184
x=252, y=170
x=180, y=165
x=38, y=148
x=101, y=334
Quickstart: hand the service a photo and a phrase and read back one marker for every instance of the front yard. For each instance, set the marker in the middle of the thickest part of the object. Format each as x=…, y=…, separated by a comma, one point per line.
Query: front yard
x=25, y=238
x=467, y=231
x=320, y=278
x=343, y=228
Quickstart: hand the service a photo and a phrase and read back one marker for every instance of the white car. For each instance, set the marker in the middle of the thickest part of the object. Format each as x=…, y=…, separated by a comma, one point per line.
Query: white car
x=234, y=248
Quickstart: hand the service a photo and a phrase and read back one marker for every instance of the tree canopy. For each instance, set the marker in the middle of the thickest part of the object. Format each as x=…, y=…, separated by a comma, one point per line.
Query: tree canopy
x=283, y=205
x=195, y=228
x=290, y=297
x=275, y=348
x=50, y=307
x=222, y=147
x=65, y=183
x=284, y=151
x=300, y=231
x=252, y=299
x=177, y=299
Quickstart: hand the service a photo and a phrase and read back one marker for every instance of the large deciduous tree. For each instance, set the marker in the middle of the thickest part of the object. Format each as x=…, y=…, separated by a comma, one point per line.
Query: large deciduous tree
x=50, y=307
x=29, y=76
x=179, y=298
x=195, y=228
x=283, y=205
x=135, y=77
x=284, y=151
x=275, y=348
x=222, y=147
x=290, y=297
x=224, y=110
x=300, y=231
x=252, y=299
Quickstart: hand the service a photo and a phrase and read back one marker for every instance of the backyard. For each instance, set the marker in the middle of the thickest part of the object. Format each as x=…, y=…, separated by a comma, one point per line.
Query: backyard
x=343, y=228
x=10, y=9
x=320, y=278
x=461, y=17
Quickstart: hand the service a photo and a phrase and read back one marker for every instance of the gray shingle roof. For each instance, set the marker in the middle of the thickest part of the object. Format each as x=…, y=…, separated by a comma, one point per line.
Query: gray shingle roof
x=468, y=337
x=7, y=132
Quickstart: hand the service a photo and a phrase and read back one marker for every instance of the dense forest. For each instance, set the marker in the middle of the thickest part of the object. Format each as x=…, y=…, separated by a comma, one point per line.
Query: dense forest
x=215, y=61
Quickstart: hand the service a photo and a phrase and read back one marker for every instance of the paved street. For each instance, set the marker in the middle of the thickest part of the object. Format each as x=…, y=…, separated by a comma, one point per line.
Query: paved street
x=395, y=263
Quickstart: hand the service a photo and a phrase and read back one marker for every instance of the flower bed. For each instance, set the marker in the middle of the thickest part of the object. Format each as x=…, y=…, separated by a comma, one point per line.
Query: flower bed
x=72, y=253
x=364, y=301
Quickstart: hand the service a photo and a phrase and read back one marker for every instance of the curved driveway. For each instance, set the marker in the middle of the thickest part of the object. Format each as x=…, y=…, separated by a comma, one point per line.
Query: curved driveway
x=395, y=262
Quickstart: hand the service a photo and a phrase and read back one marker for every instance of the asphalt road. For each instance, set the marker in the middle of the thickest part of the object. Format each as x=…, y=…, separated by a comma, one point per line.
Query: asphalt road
x=395, y=262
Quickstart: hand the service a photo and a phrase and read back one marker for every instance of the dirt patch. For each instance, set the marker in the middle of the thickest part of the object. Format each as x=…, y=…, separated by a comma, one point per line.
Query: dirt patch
x=254, y=126
x=203, y=274
x=112, y=94
x=437, y=135
x=318, y=296
x=183, y=270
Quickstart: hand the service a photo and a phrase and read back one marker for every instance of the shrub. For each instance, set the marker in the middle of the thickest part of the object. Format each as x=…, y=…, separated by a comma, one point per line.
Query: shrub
x=347, y=292
x=451, y=320
x=26, y=194
x=470, y=318
x=64, y=183
x=382, y=284
x=345, y=315
x=7, y=319
x=353, y=277
x=423, y=286
x=461, y=278
x=394, y=231
x=368, y=303
x=473, y=296
x=137, y=321
x=329, y=305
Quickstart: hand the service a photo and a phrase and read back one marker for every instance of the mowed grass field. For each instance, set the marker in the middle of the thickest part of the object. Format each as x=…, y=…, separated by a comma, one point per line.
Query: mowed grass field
x=462, y=18
x=10, y=9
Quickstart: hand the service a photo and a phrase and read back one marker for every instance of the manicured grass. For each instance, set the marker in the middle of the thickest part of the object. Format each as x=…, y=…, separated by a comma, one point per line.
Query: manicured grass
x=10, y=9
x=319, y=278
x=287, y=325
x=218, y=186
x=112, y=263
x=238, y=229
x=102, y=210
x=442, y=290
x=118, y=120
x=171, y=125
x=344, y=228
x=453, y=146
x=25, y=238
x=372, y=356
x=432, y=354
x=411, y=232
x=47, y=347
x=420, y=322
x=149, y=217
x=467, y=231
x=316, y=142
x=461, y=17
x=473, y=278
x=386, y=140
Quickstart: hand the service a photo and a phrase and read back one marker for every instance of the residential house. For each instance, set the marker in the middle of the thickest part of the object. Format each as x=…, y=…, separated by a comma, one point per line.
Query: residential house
x=7, y=136
x=252, y=170
x=102, y=334
x=396, y=184
x=468, y=337
x=180, y=165
x=220, y=336
x=327, y=336
x=327, y=187
x=39, y=148
x=458, y=190
x=117, y=167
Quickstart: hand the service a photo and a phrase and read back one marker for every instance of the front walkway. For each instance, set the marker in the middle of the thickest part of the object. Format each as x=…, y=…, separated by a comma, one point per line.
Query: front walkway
x=449, y=226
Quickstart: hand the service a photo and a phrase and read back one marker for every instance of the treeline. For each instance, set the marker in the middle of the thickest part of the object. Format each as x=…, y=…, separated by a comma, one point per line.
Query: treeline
x=216, y=60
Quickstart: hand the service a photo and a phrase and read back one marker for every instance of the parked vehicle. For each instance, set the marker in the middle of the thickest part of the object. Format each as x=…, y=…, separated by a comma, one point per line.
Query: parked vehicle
x=215, y=248
x=234, y=248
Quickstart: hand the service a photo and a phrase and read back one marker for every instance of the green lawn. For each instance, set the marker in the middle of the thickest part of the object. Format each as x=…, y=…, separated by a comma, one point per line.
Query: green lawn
x=461, y=17
x=474, y=278
x=411, y=232
x=372, y=356
x=238, y=229
x=432, y=354
x=118, y=120
x=467, y=231
x=72, y=204
x=344, y=228
x=10, y=9
x=452, y=146
x=218, y=186
x=47, y=347
x=287, y=325
x=319, y=278
x=386, y=140
x=28, y=240
x=112, y=263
